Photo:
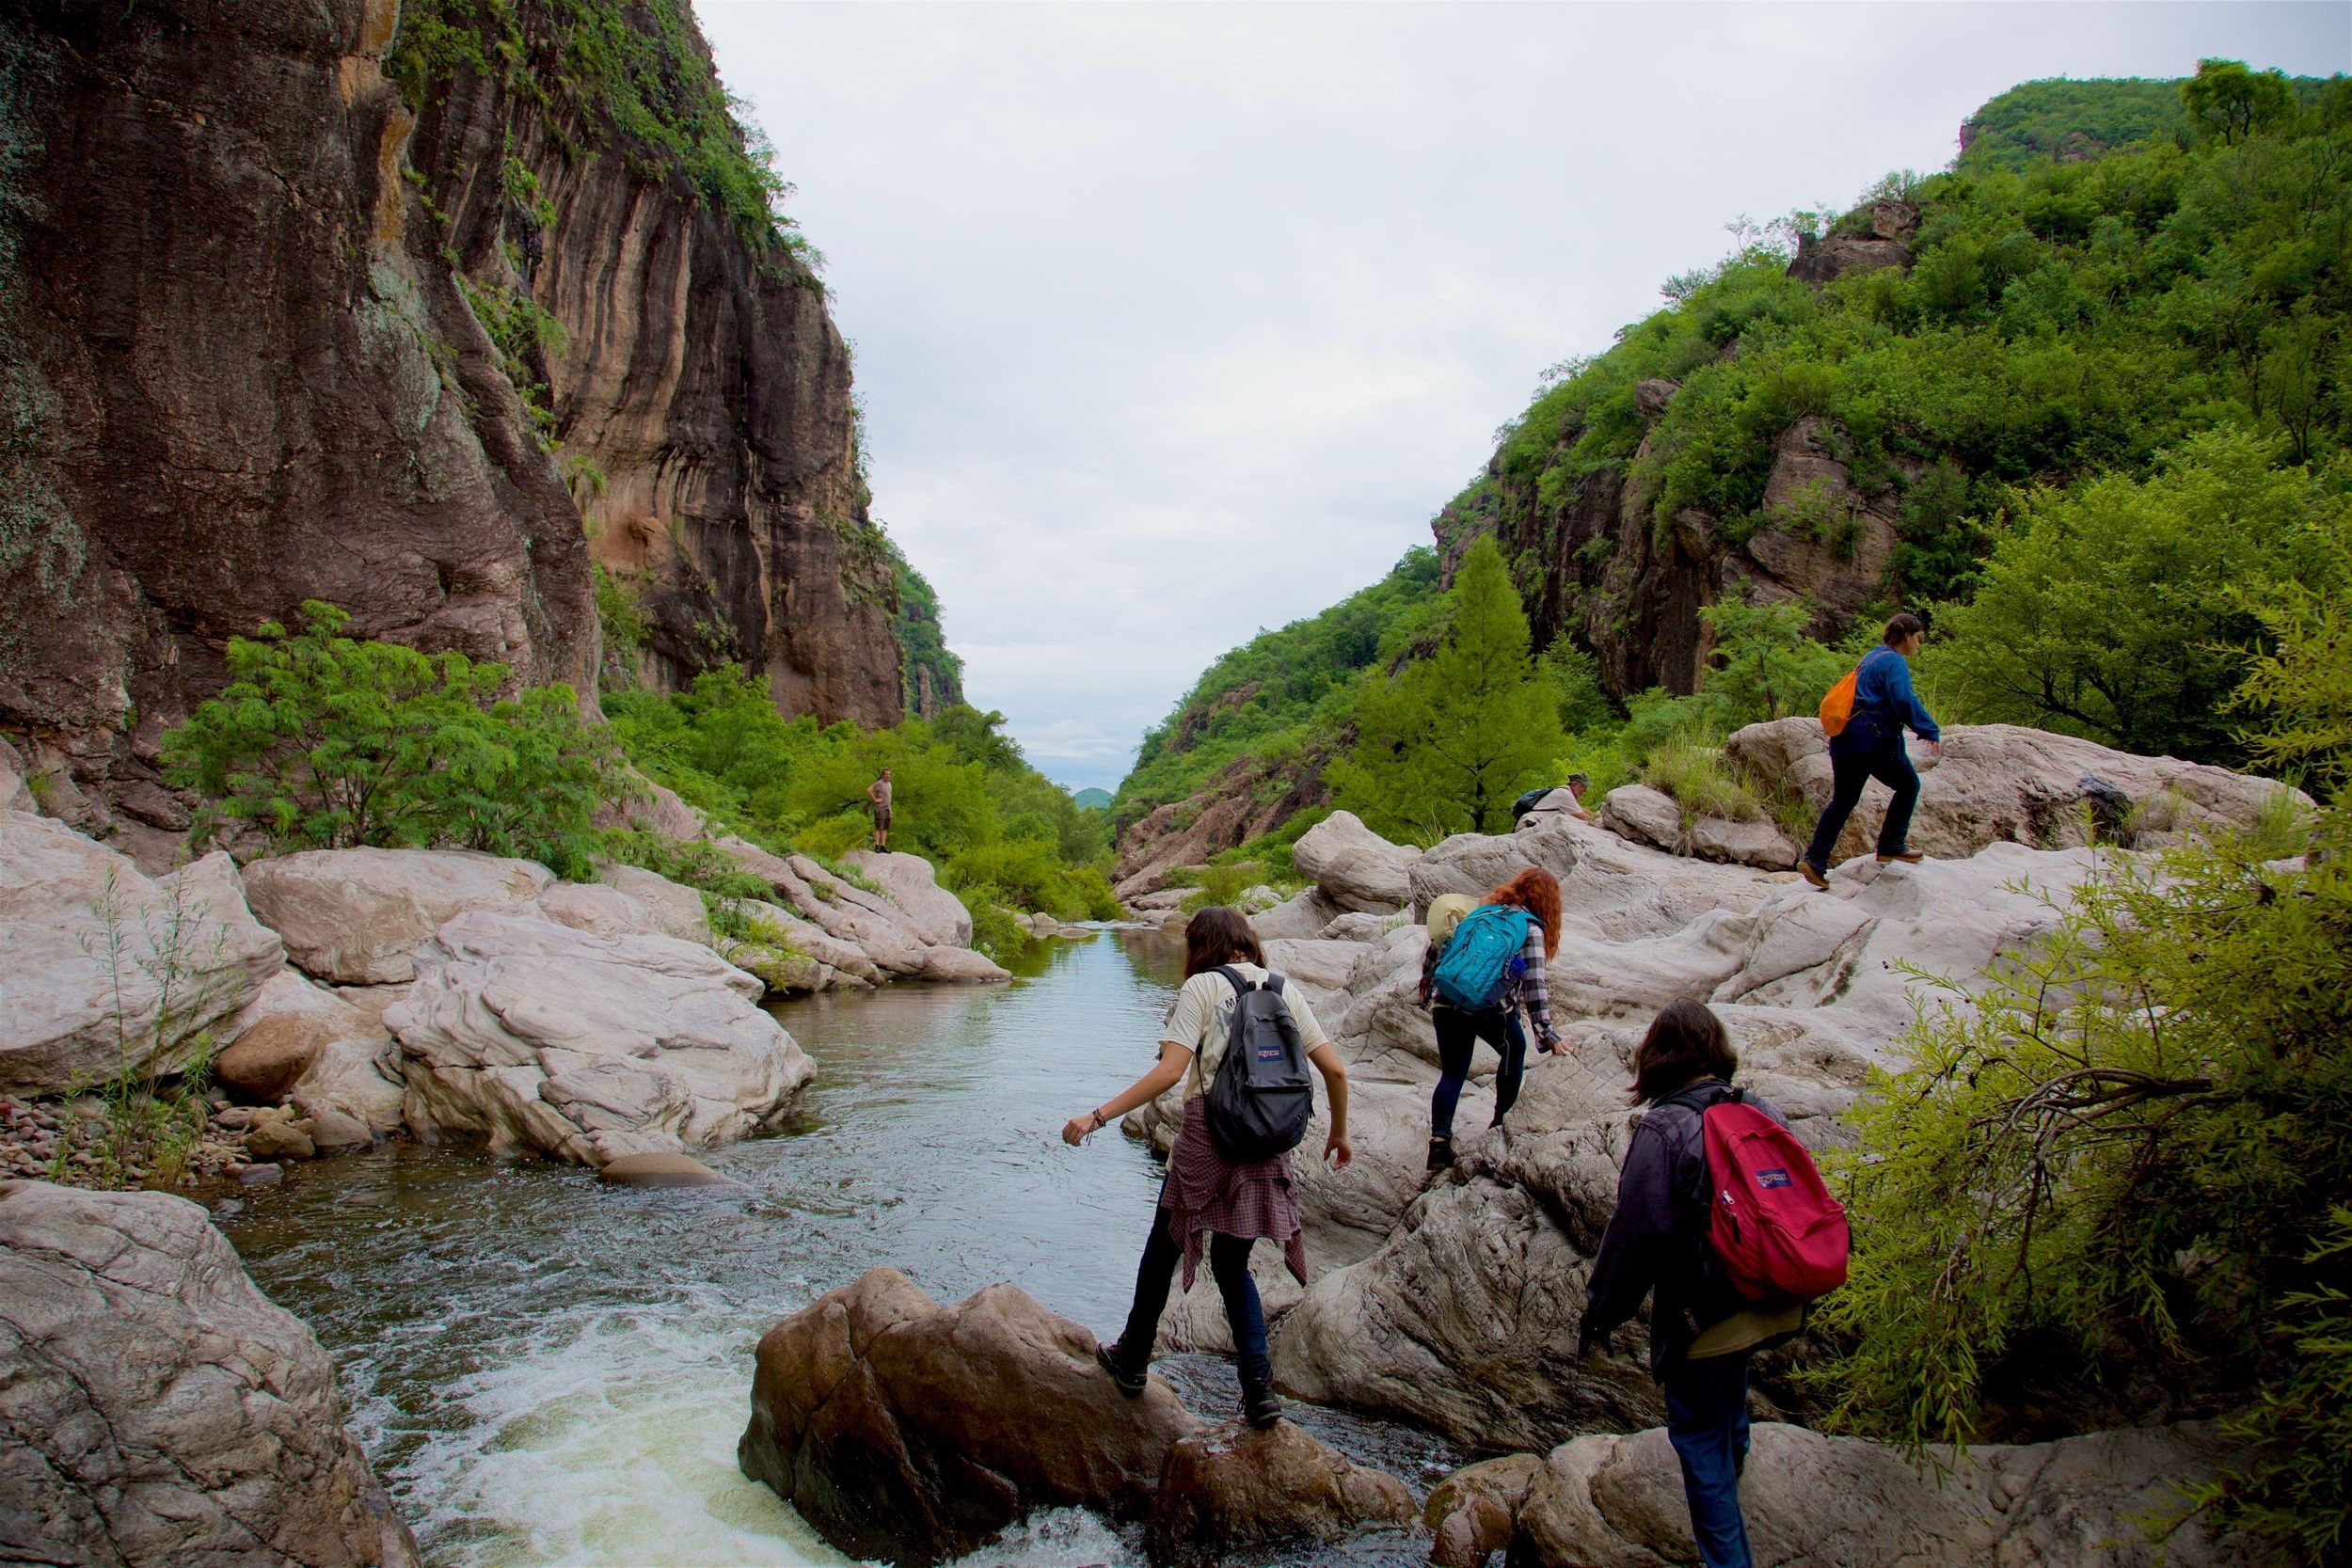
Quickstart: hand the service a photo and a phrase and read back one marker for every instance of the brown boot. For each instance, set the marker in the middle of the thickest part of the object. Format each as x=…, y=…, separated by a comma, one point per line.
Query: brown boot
x=1811, y=874
x=1440, y=1153
x=1909, y=857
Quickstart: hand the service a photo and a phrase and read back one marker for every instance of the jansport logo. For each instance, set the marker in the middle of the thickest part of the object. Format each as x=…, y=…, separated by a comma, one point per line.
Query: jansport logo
x=1274, y=1053
x=1771, y=1179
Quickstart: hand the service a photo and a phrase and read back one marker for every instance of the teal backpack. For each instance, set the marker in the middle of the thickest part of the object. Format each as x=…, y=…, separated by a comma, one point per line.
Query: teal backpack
x=1481, y=957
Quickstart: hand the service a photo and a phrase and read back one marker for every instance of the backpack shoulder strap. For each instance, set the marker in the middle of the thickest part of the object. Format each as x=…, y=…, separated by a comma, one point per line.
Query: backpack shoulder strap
x=1273, y=982
x=1234, y=975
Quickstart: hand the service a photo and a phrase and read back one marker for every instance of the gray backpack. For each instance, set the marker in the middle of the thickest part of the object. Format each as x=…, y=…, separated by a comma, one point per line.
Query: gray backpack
x=1258, y=1105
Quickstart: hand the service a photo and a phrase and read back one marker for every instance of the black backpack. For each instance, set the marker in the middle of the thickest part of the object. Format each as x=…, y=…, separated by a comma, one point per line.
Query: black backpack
x=1258, y=1104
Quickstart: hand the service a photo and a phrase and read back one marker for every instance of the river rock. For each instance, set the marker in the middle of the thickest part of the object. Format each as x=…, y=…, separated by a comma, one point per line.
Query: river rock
x=904, y=1430
x=661, y=1170
x=351, y=1064
x=159, y=1408
x=628, y=901
x=1644, y=815
x=1758, y=844
x=333, y=1131
x=278, y=1140
x=72, y=1017
x=911, y=883
x=356, y=916
x=1301, y=917
x=960, y=964
x=1609, y=1502
x=1475, y=863
x=265, y=1062
x=1355, y=868
x=1473, y=1513
x=2003, y=782
x=1231, y=1489
x=587, y=1048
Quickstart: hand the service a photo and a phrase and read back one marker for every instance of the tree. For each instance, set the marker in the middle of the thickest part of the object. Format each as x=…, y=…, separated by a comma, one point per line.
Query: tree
x=2116, y=610
x=1768, y=666
x=1447, y=745
x=2227, y=100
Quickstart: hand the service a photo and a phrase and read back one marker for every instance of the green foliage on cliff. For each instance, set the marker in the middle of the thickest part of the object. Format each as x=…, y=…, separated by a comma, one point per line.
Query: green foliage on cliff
x=1446, y=745
x=2064, y=118
x=932, y=671
x=322, y=741
x=1285, y=695
x=964, y=796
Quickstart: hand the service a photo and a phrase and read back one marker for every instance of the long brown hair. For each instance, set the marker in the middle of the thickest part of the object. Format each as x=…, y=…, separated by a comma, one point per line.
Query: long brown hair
x=1686, y=1042
x=1219, y=935
x=1538, y=891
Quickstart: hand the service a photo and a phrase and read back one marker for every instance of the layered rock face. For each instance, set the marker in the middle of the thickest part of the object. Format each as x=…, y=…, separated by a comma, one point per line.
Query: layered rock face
x=159, y=1408
x=256, y=383
x=912, y=1431
x=700, y=375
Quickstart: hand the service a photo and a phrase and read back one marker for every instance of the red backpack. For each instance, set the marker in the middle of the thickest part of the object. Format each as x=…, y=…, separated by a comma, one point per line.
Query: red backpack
x=1779, y=1235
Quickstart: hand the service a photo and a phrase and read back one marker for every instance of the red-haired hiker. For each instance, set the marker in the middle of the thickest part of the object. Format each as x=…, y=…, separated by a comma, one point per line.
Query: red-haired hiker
x=1536, y=892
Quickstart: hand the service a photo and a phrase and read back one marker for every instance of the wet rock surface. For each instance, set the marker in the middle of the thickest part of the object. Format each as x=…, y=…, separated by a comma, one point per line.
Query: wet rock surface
x=159, y=1409
x=1230, y=1489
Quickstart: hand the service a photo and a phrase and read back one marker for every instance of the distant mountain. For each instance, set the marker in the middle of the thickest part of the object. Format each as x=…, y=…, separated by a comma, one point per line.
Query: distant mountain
x=1092, y=799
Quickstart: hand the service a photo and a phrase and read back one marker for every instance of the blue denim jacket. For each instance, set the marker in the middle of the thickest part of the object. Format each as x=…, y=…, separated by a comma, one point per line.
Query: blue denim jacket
x=1884, y=706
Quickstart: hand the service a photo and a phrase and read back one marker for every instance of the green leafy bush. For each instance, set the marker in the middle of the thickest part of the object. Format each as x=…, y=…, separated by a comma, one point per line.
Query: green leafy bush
x=323, y=741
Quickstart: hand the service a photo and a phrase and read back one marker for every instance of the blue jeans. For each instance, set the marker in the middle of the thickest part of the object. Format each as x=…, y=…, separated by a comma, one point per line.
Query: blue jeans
x=1228, y=1264
x=1850, y=775
x=1707, y=1421
x=1458, y=1033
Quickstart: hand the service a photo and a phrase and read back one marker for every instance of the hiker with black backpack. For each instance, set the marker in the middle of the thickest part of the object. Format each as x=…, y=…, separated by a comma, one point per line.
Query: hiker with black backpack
x=1484, y=964
x=1720, y=1213
x=1241, y=1041
x=1865, y=716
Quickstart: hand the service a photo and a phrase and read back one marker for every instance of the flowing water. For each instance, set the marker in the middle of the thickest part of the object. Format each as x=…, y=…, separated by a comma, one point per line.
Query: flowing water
x=548, y=1371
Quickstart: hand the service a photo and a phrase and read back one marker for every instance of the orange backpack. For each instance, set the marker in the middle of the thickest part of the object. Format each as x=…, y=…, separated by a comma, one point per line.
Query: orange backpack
x=1838, y=707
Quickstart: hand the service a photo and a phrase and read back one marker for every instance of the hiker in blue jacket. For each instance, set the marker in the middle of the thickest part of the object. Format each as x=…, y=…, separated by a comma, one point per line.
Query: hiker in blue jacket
x=1701, y=1334
x=1871, y=747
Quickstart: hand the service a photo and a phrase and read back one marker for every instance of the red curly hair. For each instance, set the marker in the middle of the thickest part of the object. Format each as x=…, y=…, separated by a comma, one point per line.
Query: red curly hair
x=1538, y=891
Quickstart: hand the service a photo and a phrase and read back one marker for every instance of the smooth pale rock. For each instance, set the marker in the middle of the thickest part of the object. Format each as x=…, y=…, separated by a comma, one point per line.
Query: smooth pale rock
x=2003, y=782
x=1301, y=917
x=1355, y=868
x=911, y=883
x=1230, y=1489
x=278, y=1140
x=783, y=972
x=911, y=1431
x=1473, y=1513
x=1761, y=845
x=960, y=964
x=265, y=1062
x=1610, y=1501
x=353, y=1066
x=1644, y=815
x=159, y=1409
x=355, y=916
x=677, y=910
x=628, y=901
x=1475, y=863
x=70, y=1016
x=847, y=957
x=333, y=1131
x=587, y=1048
x=661, y=1170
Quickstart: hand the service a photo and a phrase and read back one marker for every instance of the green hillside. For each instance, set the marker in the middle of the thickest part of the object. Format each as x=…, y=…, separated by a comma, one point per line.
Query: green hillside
x=2068, y=119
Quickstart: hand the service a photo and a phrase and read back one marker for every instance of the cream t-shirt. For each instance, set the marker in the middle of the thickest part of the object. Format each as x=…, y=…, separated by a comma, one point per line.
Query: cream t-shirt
x=1202, y=1021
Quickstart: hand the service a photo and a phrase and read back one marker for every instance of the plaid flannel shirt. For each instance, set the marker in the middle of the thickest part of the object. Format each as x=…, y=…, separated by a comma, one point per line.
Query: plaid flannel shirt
x=1528, y=988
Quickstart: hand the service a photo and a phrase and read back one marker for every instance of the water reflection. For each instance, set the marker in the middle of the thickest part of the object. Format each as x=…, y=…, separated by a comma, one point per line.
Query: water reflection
x=548, y=1370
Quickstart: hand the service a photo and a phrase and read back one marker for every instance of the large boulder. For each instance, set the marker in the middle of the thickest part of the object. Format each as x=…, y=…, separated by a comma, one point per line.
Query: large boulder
x=355, y=918
x=625, y=900
x=587, y=1048
x=2003, y=782
x=158, y=1408
x=1475, y=863
x=1355, y=868
x=107, y=970
x=2097, y=1501
x=891, y=941
x=1230, y=1489
x=1301, y=917
x=340, y=1055
x=908, y=881
x=908, y=1430
x=1474, y=1512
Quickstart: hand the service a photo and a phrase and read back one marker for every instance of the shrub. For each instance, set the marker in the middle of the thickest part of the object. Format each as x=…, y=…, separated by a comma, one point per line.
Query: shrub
x=323, y=741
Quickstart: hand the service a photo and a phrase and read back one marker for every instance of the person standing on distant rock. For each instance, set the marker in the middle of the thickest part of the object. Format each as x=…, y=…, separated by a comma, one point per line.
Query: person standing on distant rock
x=1203, y=1192
x=1871, y=747
x=878, y=796
x=1536, y=892
x=1701, y=1334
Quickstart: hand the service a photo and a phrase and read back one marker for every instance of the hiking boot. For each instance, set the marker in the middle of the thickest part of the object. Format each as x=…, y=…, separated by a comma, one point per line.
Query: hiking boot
x=1440, y=1153
x=1259, y=1406
x=1811, y=874
x=1114, y=1361
x=1909, y=857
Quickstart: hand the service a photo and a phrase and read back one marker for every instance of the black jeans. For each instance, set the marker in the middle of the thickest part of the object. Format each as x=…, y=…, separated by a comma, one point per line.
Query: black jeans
x=1229, y=1263
x=1458, y=1033
x=1707, y=1422
x=1892, y=767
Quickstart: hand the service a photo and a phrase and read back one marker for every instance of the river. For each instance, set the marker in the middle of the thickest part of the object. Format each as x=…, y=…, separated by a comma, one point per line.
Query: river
x=548, y=1370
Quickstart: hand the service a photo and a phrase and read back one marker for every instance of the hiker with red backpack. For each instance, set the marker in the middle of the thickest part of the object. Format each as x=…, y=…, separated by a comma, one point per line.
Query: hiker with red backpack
x=1241, y=1043
x=1722, y=1219
x=1484, y=964
x=1865, y=716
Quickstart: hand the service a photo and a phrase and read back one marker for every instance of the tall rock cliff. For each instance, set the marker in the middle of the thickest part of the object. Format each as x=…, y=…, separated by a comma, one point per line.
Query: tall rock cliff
x=417, y=310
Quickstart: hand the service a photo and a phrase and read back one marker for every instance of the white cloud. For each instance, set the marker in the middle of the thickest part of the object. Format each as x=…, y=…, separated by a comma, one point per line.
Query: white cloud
x=1176, y=322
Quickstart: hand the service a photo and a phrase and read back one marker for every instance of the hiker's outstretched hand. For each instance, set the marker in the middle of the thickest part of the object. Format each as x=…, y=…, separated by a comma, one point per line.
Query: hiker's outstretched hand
x=1338, y=1151
x=1075, y=1131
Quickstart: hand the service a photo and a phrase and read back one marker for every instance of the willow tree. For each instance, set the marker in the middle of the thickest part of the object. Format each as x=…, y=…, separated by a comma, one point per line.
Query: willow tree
x=1448, y=743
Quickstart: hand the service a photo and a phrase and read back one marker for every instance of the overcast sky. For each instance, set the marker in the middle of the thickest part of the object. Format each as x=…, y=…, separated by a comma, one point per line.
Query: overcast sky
x=1174, y=322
